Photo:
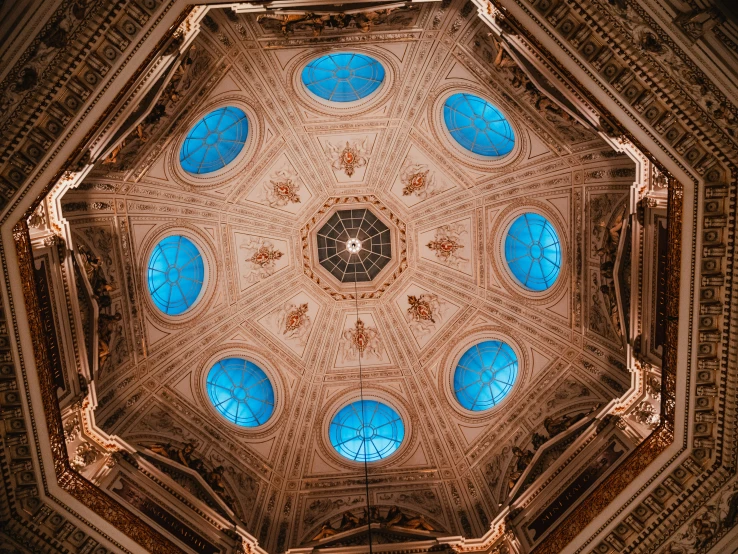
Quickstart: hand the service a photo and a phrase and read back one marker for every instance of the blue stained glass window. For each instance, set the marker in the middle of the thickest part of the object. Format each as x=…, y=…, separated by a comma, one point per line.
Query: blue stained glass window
x=367, y=430
x=477, y=125
x=343, y=77
x=214, y=141
x=533, y=251
x=175, y=274
x=485, y=375
x=241, y=392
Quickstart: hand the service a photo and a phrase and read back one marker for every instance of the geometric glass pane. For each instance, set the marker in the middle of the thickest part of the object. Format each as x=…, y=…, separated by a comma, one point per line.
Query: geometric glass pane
x=376, y=245
x=241, y=392
x=485, y=375
x=533, y=252
x=478, y=126
x=175, y=274
x=366, y=431
x=343, y=77
x=214, y=141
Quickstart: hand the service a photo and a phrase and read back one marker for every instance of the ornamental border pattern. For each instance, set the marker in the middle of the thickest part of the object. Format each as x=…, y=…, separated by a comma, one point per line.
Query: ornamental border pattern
x=713, y=286
x=672, y=326
x=68, y=478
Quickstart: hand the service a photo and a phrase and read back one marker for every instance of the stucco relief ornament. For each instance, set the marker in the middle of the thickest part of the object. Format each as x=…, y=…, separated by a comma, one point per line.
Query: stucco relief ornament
x=418, y=179
x=645, y=414
x=294, y=322
x=282, y=189
x=446, y=245
x=424, y=313
x=359, y=340
x=349, y=157
x=262, y=256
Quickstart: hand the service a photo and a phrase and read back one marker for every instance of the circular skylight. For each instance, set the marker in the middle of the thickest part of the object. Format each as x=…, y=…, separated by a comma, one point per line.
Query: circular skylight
x=485, y=375
x=477, y=125
x=533, y=252
x=175, y=274
x=241, y=392
x=343, y=77
x=366, y=430
x=214, y=141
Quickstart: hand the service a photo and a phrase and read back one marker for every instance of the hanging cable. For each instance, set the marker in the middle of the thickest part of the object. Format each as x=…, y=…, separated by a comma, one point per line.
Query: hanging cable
x=363, y=423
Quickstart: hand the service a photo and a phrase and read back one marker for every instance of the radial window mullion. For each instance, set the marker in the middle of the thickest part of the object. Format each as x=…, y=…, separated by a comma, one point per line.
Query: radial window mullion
x=354, y=429
x=483, y=119
x=475, y=390
x=208, y=133
x=165, y=274
x=254, y=402
x=530, y=240
x=342, y=83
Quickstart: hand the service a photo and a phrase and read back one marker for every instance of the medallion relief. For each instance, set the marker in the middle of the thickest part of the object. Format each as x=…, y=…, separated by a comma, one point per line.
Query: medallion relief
x=419, y=180
x=259, y=258
x=425, y=312
x=292, y=322
x=360, y=339
x=449, y=245
x=347, y=157
x=282, y=188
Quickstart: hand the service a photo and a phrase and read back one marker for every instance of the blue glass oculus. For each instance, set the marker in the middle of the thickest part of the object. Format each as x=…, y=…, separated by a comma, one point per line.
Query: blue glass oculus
x=477, y=125
x=343, y=77
x=214, y=141
x=533, y=252
x=366, y=431
x=241, y=392
x=175, y=274
x=485, y=375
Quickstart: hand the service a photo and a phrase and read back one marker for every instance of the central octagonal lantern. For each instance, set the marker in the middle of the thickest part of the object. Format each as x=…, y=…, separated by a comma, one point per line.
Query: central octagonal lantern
x=354, y=245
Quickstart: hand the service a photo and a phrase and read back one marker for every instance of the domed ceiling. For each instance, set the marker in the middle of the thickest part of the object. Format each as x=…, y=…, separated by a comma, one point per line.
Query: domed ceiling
x=263, y=198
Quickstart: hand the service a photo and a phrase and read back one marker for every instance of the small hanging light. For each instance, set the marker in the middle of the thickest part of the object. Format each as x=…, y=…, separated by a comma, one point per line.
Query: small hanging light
x=353, y=245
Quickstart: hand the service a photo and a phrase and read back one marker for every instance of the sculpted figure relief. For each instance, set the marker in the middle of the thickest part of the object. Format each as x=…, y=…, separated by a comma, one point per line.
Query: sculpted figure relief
x=395, y=517
x=522, y=459
x=185, y=456
x=317, y=23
